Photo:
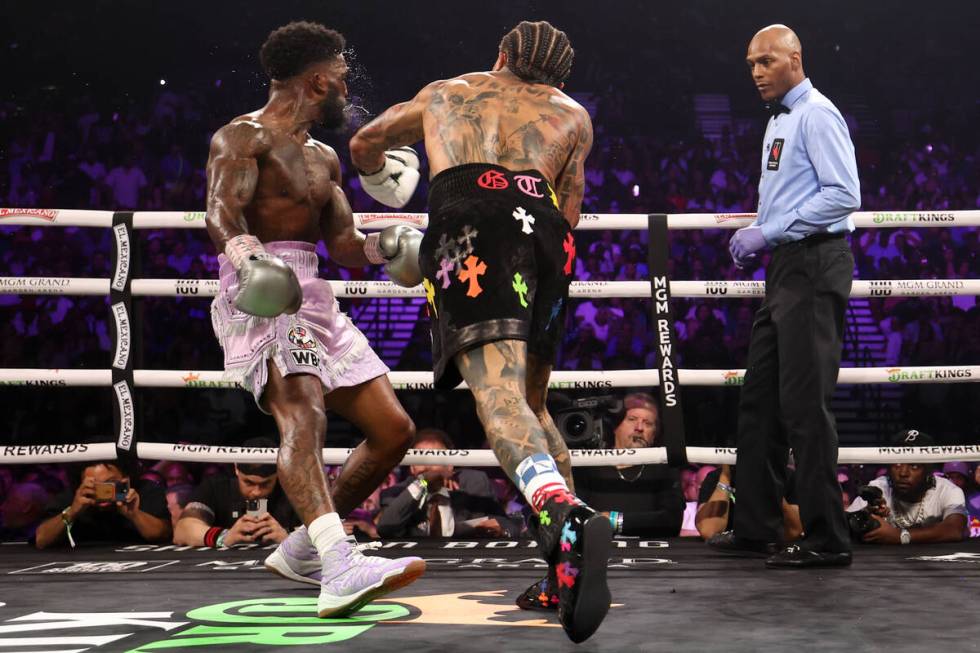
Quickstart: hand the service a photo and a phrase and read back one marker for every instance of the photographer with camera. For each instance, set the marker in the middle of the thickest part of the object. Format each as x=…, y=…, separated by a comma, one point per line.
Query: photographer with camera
x=910, y=504
x=103, y=507
x=249, y=507
x=644, y=500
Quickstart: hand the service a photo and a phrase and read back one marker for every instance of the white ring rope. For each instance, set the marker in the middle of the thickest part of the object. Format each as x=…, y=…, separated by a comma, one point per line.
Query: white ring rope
x=423, y=380
x=200, y=453
x=578, y=289
x=588, y=221
x=560, y=380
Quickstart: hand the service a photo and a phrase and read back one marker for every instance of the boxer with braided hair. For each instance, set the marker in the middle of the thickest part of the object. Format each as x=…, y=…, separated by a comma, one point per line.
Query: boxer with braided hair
x=506, y=149
x=537, y=52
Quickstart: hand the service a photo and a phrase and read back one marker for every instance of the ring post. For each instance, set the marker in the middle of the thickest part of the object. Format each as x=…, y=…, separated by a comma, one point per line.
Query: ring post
x=665, y=342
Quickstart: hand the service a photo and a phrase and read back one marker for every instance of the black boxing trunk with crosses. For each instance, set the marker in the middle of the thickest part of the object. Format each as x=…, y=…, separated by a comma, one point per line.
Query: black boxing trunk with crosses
x=497, y=259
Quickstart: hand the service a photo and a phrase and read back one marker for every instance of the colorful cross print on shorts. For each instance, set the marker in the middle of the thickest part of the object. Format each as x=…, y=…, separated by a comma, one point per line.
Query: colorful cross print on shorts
x=471, y=272
x=497, y=259
x=520, y=288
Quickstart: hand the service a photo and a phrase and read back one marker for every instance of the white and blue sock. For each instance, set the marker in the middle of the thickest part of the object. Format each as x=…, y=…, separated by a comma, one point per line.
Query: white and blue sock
x=540, y=481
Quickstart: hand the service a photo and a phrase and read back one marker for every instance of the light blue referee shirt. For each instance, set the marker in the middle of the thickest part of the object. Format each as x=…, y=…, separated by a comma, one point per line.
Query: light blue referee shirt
x=809, y=180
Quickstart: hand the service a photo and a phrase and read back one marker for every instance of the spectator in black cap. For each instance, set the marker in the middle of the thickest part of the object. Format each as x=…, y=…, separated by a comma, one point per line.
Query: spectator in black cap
x=249, y=507
x=917, y=507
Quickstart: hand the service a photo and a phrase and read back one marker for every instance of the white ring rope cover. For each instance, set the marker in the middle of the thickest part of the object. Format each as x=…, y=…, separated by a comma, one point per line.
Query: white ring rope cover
x=423, y=380
x=588, y=221
x=560, y=380
x=578, y=289
x=51, y=453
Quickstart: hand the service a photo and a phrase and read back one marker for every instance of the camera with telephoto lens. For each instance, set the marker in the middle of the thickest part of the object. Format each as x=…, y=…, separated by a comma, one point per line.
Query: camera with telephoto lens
x=861, y=522
x=582, y=424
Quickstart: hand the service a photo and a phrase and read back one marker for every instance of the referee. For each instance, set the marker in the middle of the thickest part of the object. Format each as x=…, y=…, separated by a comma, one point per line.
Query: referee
x=808, y=189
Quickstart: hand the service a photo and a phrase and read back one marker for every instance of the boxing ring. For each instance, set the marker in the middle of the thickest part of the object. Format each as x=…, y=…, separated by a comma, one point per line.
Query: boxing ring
x=670, y=595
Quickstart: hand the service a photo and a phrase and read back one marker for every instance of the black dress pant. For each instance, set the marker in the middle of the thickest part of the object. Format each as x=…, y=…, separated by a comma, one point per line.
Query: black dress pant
x=794, y=360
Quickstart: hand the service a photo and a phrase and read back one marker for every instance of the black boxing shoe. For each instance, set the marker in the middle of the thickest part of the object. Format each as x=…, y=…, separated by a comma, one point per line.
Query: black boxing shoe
x=577, y=541
x=541, y=595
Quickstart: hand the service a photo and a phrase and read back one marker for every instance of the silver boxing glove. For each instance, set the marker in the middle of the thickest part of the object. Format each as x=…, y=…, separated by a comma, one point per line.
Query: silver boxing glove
x=397, y=247
x=267, y=287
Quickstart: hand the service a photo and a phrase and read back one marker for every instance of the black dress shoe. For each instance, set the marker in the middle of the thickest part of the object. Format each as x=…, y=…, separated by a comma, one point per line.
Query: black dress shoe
x=730, y=543
x=796, y=557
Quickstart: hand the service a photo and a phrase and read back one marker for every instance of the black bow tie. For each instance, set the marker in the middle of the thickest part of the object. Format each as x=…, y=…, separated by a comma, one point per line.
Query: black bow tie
x=776, y=108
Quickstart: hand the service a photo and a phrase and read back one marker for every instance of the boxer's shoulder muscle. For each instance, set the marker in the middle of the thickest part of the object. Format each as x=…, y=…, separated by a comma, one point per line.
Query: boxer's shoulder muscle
x=242, y=136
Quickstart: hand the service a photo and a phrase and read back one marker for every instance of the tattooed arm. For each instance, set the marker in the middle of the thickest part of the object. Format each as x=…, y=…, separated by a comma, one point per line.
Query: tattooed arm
x=571, y=180
x=233, y=173
x=344, y=242
x=400, y=125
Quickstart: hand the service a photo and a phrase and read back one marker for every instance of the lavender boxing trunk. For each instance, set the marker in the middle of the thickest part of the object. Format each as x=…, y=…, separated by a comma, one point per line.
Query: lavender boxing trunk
x=319, y=339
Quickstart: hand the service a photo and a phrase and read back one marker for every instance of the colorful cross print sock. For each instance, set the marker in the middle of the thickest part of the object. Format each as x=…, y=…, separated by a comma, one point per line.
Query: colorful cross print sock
x=540, y=481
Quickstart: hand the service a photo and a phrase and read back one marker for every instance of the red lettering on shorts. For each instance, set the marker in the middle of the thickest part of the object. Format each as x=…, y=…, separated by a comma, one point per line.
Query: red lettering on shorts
x=493, y=180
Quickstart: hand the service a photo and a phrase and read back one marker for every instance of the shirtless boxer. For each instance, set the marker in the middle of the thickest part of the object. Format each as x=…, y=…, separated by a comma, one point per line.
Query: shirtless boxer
x=506, y=150
x=273, y=193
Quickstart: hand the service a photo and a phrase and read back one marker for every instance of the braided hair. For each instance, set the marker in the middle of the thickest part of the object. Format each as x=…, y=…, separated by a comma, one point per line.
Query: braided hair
x=538, y=52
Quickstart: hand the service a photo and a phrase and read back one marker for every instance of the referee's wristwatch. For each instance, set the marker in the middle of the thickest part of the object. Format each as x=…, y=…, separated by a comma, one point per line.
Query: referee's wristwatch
x=905, y=536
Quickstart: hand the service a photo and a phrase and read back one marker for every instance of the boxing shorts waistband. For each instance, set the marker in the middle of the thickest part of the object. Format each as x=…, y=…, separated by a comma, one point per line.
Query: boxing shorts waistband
x=300, y=255
x=487, y=180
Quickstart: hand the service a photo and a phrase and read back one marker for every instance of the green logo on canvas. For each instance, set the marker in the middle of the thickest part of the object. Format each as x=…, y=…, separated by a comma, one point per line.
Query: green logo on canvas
x=272, y=622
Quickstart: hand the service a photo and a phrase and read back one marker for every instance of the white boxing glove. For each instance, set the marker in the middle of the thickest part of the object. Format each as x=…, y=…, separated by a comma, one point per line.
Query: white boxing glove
x=394, y=184
x=397, y=247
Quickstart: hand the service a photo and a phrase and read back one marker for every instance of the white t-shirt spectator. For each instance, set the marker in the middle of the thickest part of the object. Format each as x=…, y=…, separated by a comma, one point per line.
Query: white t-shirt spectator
x=126, y=184
x=938, y=503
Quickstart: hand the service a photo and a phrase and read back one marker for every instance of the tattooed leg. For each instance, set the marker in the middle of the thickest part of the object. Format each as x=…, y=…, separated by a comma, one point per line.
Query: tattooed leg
x=538, y=373
x=496, y=375
x=296, y=403
x=388, y=430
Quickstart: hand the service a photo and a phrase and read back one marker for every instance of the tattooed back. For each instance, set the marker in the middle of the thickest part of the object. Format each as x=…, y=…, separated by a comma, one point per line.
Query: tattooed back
x=494, y=117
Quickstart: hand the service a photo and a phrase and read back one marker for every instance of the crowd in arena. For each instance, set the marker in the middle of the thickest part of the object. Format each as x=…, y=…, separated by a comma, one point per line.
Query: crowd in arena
x=81, y=153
